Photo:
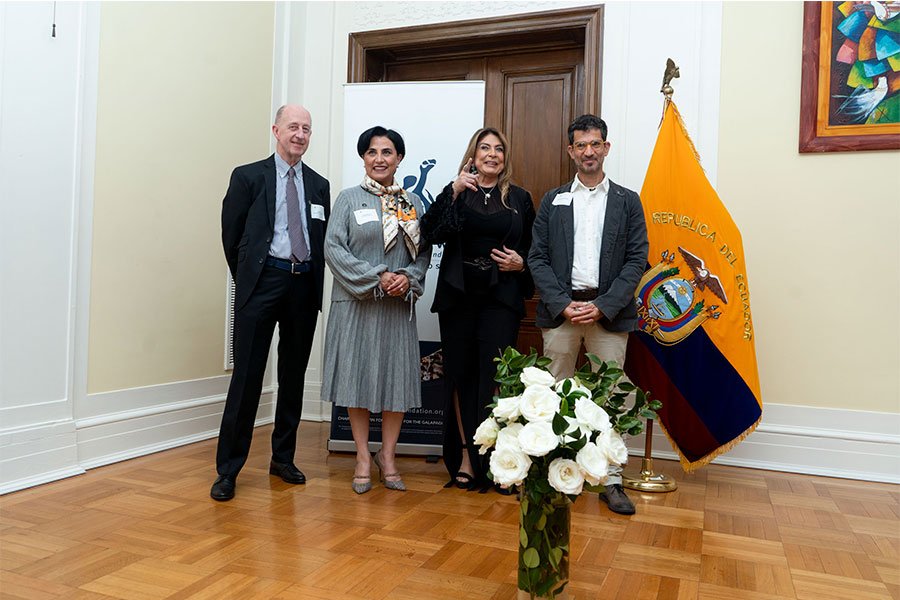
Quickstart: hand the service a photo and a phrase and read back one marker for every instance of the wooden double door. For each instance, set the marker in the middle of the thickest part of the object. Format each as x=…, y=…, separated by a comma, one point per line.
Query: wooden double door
x=530, y=94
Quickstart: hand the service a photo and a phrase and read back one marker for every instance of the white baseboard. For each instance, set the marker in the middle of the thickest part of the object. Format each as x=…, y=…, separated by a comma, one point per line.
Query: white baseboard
x=49, y=451
x=35, y=455
x=797, y=439
x=849, y=444
x=121, y=436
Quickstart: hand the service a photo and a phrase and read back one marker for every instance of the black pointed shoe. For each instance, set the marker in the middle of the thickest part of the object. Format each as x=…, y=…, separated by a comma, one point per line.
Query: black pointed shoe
x=223, y=488
x=618, y=502
x=288, y=472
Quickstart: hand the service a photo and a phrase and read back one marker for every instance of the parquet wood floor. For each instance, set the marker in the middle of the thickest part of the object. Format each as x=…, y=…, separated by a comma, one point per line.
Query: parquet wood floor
x=146, y=529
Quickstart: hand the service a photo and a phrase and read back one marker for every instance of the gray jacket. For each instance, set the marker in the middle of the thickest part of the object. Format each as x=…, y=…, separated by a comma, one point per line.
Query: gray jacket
x=355, y=251
x=623, y=258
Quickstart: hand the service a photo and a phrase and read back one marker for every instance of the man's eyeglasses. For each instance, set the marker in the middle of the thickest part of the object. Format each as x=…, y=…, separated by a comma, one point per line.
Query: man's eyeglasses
x=596, y=145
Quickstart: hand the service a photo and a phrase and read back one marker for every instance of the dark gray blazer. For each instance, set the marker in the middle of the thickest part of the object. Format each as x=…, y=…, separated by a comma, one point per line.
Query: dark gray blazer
x=623, y=258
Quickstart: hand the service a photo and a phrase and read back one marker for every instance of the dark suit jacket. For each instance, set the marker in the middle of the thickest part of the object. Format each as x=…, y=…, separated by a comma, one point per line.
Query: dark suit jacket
x=442, y=225
x=248, y=222
x=623, y=258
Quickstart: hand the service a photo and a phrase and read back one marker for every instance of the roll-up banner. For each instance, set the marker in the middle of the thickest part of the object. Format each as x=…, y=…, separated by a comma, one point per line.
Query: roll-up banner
x=436, y=120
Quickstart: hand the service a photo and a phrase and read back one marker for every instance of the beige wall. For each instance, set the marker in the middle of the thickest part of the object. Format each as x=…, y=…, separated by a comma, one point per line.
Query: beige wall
x=184, y=96
x=820, y=231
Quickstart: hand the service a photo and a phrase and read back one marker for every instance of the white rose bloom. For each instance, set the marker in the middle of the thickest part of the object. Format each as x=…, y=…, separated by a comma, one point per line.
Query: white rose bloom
x=593, y=462
x=565, y=476
x=508, y=437
x=590, y=415
x=575, y=386
x=507, y=409
x=535, y=376
x=539, y=403
x=537, y=439
x=486, y=434
x=613, y=446
x=509, y=467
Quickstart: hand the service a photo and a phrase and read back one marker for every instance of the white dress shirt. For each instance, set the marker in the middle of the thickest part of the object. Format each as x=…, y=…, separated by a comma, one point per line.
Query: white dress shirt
x=589, y=213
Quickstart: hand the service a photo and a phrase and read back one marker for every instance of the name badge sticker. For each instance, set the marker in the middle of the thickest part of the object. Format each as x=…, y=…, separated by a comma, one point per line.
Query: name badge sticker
x=317, y=211
x=563, y=199
x=365, y=215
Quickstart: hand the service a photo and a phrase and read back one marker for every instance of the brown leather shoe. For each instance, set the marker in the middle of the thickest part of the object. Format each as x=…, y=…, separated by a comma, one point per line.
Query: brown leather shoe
x=618, y=502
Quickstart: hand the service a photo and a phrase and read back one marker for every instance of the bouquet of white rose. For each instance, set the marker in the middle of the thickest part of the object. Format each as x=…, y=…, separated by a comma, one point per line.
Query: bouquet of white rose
x=553, y=439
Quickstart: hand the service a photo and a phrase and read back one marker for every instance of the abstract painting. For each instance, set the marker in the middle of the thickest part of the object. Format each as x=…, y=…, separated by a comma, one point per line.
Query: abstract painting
x=850, y=88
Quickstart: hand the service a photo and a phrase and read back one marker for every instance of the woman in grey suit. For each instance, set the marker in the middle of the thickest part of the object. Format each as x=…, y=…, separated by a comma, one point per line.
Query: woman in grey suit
x=378, y=259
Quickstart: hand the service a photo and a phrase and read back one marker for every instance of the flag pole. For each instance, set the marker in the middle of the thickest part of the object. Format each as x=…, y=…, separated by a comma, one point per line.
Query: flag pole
x=646, y=480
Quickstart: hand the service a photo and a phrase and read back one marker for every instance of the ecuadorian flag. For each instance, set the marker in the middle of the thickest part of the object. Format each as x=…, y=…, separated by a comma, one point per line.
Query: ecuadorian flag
x=694, y=348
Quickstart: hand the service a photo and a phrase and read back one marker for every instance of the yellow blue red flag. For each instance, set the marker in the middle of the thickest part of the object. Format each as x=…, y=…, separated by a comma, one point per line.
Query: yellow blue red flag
x=694, y=348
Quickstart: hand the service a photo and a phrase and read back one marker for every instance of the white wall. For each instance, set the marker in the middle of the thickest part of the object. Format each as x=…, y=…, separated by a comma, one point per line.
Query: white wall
x=117, y=139
x=45, y=97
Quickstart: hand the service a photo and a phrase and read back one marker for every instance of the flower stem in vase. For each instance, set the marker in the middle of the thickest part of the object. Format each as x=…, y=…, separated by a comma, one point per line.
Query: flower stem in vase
x=544, y=526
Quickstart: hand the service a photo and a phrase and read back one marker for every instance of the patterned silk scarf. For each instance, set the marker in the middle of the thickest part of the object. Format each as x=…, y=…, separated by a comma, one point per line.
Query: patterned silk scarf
x=397, y=213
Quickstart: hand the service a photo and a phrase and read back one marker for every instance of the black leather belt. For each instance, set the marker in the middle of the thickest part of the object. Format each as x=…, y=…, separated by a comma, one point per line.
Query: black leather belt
x=585, y=295
x=294, y=268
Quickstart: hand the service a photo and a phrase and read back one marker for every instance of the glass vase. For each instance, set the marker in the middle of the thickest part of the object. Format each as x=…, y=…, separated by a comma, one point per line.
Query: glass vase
x=544, y=527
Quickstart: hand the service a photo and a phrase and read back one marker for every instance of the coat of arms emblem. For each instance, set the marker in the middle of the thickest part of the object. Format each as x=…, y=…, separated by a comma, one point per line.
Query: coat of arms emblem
x=672, y=304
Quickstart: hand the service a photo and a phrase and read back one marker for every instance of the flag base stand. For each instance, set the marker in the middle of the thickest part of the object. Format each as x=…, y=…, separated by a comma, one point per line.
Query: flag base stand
x=646, y=480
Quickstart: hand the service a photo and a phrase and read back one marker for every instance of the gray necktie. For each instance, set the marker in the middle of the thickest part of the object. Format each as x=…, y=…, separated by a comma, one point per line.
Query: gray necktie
x=295, y=224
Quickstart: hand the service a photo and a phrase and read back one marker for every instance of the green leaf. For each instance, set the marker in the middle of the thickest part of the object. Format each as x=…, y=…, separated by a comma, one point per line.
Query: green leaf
x=530, y=558
x=648, y=414
x=627, y=387
x=523, y=537
x=541, y=522
x=628, y=422
x=555, y=556
x=655, y=404
x=578, y=444
x=559, y=424
x=594, y=359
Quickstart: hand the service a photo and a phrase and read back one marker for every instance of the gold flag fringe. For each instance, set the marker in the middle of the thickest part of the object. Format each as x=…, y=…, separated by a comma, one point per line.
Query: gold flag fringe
x=687, y=136
x=689, y=467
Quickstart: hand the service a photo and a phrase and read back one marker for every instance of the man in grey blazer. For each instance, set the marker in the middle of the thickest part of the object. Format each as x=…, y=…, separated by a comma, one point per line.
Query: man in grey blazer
x=588, y=252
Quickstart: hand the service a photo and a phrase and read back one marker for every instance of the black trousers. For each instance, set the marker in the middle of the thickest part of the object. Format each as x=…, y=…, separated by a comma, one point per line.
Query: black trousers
x=472, y=335
x=287, y=300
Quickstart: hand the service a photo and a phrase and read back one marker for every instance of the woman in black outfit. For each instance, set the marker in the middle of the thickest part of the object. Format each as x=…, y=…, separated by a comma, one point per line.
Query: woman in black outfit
x=485, y=224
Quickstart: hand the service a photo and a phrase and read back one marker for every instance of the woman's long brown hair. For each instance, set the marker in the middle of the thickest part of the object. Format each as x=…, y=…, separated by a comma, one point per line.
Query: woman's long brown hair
x=505, y=177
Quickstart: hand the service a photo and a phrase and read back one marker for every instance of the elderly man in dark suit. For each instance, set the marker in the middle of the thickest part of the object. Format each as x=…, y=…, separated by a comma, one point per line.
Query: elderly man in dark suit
x=588, y=252
x=273, y=229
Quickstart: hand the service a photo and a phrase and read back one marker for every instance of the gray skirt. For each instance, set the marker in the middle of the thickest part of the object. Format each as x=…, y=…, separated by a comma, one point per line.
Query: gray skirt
x=372, y=356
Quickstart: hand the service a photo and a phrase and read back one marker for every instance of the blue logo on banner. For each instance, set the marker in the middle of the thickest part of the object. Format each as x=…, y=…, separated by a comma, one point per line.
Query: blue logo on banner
x=417, y=184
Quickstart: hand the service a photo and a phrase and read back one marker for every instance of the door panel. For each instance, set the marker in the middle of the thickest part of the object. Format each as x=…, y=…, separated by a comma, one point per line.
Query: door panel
x=443, y=70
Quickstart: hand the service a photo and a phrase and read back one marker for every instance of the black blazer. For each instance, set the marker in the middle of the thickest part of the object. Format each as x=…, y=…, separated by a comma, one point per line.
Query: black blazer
x=443, y=223
x=248, y=221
